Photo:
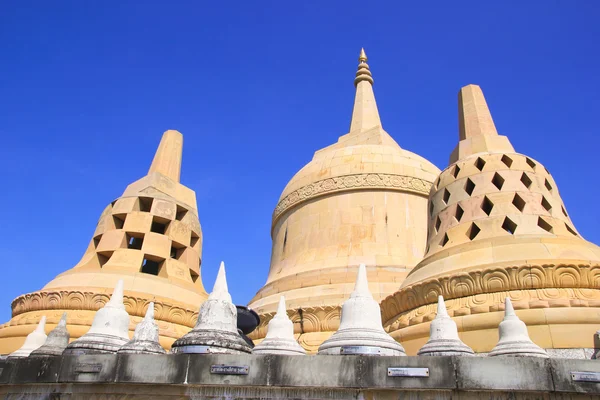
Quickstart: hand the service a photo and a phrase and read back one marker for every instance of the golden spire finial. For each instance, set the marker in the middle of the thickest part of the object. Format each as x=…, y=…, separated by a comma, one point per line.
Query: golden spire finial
x=474, y=117
x=364, y=115
x=363, y=55
x=167, y=159
x=363, y=73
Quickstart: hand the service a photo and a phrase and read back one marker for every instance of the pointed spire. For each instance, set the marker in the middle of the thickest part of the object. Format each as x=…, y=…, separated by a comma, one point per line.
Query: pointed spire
x=145, y=338
x=220, y=289
x=441, y=308
x=33, y=341
x=365, y=115
x=514, y=339
x=109, y=330
x=41, y=327
x=509, y=310
x=167, y=159
x=216, y=330
x=63, y=321
x=476, y=130
x=280, y=335
x=443, y=336
x=361, y=287
x=473, y=113
x=360, y=325
x=116, y=300
x=150, y=312
x=281, y=311
x=57, y=340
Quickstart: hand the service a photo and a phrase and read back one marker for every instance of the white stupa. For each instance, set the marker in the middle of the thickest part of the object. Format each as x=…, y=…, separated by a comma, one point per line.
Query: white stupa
x=216, y=330
x=361, y=330
x=57, y=340
x=33, y=341
x=514, y=338
x=280, y=335
x=109, y=330
x=443, y=336
x=145, y=338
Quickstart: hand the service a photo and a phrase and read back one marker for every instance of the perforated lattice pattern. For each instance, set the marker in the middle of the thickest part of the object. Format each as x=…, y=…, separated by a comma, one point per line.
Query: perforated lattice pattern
x=494, y=195
x=155, y=236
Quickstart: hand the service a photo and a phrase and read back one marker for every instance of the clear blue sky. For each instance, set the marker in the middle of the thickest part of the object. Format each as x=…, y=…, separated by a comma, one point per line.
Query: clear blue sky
x=256, y=87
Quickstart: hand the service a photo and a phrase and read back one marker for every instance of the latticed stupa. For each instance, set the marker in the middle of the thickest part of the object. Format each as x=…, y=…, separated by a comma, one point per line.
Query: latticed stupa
x=360, y=200
x=498, y=228
x=150, y=237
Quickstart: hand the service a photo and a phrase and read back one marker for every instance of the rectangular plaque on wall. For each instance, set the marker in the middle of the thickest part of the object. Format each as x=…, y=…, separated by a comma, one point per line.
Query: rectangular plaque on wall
x=358, y=350
x=409, y=372
x=585, y=376
x=229, y=369
x=87, y=368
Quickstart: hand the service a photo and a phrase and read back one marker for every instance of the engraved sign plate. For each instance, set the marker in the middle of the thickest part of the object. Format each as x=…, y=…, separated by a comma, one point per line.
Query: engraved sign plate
x=87, y=368
x=194, y=349
x=229, y=369
x=585, y=376
x=365, y=350
x=411, y=372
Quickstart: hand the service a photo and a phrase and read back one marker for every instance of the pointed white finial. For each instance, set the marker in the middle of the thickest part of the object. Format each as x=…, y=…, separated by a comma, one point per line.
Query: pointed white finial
x=150, y=312
x=216, y=328
x=116, y=300
x=361, y=287
x=281, y=311
x=220, y=289
x=109, y=330
x=280, y=335
x=443, y=336
x=41, y=327
x=33, y=341
x=360, y=324
x=441, y=307
x=56, y=342
x=145, y=338
x=514, y=339
x=509, y=310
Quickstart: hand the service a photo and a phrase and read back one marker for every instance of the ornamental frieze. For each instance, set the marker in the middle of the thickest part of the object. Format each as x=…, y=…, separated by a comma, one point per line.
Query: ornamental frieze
x=493, y=302
x=491, y=280
x=90, y=301
x=350, y=182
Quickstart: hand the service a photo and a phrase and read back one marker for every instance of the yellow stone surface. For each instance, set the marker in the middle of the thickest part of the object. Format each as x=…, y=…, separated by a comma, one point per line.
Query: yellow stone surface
x=360, y=200
x=151, y=238
x=498, y=228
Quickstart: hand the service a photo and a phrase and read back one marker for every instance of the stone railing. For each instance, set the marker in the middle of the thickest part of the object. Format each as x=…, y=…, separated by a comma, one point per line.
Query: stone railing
x=300, y=377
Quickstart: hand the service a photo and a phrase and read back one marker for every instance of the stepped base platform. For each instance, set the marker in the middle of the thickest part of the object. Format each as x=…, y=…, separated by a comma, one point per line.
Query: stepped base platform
x=246, y=376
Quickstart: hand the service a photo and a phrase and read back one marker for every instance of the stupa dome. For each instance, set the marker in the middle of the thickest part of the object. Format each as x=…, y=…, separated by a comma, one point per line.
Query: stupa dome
x=361, y=200
x=498, y=228
x=150, y=238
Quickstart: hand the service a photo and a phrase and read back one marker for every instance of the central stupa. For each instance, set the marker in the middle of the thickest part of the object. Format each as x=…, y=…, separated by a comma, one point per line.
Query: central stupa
x=150, y=238
x=360, y=200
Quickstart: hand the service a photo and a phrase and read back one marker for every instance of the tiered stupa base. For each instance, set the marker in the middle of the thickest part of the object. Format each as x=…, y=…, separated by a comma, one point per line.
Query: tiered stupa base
x=95, y=343
x=216, y=341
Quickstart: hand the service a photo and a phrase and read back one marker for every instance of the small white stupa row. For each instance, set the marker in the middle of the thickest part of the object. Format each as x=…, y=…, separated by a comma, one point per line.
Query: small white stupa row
x=514, y=339
x=360, y=331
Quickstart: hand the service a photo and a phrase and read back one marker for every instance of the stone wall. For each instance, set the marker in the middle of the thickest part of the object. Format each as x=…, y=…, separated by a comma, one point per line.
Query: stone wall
x=298, y=377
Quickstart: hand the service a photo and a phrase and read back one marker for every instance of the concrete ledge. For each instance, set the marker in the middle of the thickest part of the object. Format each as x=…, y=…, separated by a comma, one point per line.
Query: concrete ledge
x=520, y=374
x=271, y=376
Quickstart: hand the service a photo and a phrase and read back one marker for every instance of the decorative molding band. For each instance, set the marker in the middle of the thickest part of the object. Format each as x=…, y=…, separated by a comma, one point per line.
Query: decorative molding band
x=491, y=280
x=352, y=182
x=494, y=302
x=90, y=301
x=306, y=320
